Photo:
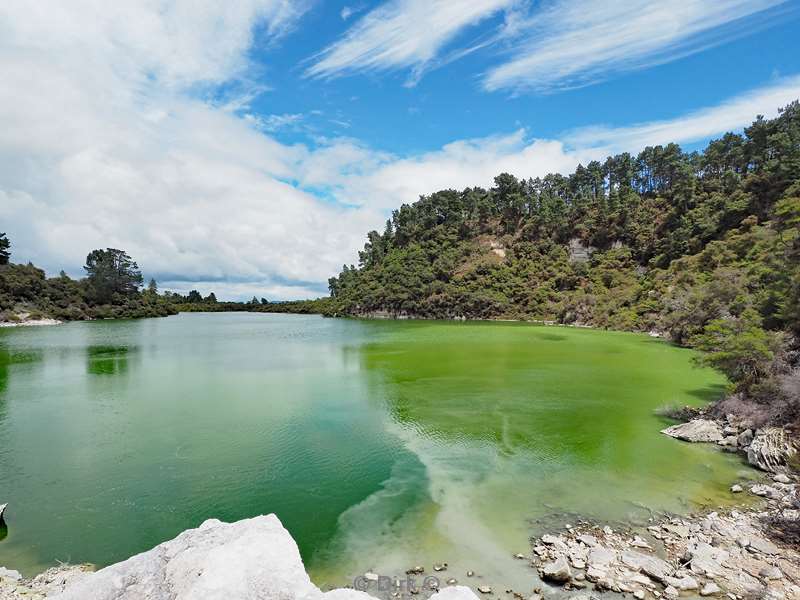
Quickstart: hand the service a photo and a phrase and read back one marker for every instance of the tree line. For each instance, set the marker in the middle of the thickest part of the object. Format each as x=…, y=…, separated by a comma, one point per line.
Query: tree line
x=702, y=247
x=112, y=288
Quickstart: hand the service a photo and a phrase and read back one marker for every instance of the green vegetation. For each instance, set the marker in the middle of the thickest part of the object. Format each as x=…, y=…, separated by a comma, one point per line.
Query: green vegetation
x=194, y=302
x=702, y=247
x=110, y=290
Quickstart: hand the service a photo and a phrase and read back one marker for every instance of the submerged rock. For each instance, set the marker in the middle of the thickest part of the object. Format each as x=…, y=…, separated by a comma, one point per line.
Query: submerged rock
x=696, y=430
x=2, y=510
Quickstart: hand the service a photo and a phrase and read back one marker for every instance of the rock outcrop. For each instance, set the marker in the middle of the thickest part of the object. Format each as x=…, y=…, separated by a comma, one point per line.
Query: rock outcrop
x=696, y=430
x=770, y=449
x=250, y=559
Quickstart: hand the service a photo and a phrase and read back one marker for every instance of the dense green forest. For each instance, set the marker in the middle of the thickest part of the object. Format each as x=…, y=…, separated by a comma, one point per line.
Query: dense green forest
x=701, y=247
x=110, y=290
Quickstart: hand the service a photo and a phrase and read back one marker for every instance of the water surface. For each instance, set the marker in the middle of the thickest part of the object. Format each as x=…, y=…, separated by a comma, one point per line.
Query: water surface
x=378, y=444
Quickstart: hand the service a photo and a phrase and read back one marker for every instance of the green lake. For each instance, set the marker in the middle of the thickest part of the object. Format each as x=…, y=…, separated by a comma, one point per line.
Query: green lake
x=380, y=445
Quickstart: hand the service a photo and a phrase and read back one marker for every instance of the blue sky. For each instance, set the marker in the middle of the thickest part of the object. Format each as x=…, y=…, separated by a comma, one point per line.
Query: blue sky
x=247, y=148
x=450, y=103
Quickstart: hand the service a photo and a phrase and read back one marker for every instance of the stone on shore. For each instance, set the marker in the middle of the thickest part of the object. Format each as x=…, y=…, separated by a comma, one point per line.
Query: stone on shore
x=696, y=430
x=557, y=571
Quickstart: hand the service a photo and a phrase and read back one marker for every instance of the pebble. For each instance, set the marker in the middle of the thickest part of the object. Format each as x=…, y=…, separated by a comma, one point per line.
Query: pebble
x=519, y=556
x=371, y=576
x=484, y=589
x=470, y=573
x=441, y=567
x=736, y=488
x=639, y=594
x=452, y=581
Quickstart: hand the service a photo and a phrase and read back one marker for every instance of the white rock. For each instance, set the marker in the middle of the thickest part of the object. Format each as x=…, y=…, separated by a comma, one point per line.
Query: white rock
x=762, y=545
x=781, y=478
x=557, y=571
x=684, y=584
x=10, y=574
x=697, y=430
x=594, y=574
x=736, y=488
x=3, y=509
x=771, y=573
x=252, y=558
x=552, y=540
x=371, y=576
x=587, y=539
x=652, y=566
x=671, y=592
x=601, y=556
x=638, y=594
x=710, y=589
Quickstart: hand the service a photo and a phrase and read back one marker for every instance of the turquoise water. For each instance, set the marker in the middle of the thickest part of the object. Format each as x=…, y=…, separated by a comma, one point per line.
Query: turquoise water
x=378, y=444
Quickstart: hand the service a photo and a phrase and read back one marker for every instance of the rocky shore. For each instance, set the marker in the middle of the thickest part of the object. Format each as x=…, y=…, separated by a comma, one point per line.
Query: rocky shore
x=252, y=559
x=752, y=552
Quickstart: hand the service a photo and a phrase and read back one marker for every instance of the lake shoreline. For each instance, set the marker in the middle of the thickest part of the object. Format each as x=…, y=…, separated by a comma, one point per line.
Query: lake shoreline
x=714, y=553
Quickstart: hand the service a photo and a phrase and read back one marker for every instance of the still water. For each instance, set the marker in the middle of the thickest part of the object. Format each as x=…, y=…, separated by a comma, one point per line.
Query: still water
x=380, y=445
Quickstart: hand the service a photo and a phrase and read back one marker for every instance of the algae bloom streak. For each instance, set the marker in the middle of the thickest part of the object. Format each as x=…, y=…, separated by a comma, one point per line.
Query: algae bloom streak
x=379, y=445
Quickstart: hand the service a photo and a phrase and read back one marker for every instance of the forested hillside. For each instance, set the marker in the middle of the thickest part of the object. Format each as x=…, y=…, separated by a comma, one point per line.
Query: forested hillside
x=702, y=247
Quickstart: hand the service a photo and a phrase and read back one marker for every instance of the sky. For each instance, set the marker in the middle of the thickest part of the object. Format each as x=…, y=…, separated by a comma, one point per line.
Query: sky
x=247, y=147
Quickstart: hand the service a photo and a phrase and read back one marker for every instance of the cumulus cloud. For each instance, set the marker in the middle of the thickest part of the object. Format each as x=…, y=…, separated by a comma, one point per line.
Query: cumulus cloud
x=105, y=143
x=571, y=43
x=400, y=34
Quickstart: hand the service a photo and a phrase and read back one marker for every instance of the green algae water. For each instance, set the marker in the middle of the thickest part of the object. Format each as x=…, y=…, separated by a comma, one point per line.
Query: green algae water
x=380, y=445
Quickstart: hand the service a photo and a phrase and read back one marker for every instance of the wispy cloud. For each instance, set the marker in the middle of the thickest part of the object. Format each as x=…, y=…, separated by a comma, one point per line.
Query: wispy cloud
x=572, y=43
x=273, y=123
x=730, y=115
x=402, y=34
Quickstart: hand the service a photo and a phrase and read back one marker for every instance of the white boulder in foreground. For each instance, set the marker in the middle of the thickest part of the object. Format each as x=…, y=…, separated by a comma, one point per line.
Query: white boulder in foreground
x=696, y=430
x=247, y=560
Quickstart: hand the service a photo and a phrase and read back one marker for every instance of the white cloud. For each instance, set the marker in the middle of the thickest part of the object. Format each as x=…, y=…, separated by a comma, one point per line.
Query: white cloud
x=103, y=145
x=570, y=43
x=400, y=34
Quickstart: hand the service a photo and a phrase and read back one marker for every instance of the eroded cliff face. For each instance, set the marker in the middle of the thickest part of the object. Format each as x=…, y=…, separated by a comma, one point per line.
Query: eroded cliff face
x=250, y=559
